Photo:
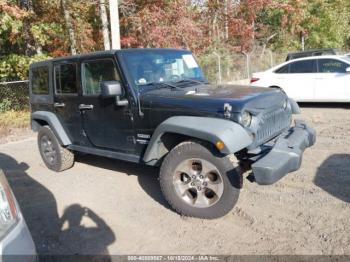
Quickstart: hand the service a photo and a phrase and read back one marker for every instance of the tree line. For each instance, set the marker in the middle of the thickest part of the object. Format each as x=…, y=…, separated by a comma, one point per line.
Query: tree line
x=32, y=30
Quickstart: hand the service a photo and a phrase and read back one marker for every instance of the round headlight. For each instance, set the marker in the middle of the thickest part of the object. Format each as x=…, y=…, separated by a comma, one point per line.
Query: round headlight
x=246, y=119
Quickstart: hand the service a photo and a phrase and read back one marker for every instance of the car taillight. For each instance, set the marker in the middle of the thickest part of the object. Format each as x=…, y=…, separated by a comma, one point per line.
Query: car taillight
x=254, y=79
x=8, y=210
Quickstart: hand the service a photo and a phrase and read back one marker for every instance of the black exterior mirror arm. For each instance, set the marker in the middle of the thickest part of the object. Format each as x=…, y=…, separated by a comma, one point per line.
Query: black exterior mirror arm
x=121, y=102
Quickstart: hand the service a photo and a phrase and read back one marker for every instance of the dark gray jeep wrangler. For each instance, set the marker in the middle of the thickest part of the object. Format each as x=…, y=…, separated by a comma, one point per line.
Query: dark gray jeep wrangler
x=154, y=107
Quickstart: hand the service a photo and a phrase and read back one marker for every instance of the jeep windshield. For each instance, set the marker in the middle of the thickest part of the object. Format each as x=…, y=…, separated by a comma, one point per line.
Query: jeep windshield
x=162, y=67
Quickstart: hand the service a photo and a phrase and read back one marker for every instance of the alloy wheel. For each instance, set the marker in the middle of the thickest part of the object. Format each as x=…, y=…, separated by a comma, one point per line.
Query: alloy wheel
x=198, y=182
x=48, y=150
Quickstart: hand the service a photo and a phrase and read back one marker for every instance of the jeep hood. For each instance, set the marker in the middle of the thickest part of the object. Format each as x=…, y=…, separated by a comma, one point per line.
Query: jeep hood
x=211, y=98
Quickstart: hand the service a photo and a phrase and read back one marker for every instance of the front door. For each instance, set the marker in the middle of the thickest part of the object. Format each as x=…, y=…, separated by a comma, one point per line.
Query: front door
x=105, y=124
x=66, y=99
x=333, y=82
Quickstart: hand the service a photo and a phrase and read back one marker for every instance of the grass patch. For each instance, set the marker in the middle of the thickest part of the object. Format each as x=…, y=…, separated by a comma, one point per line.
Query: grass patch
x=14, y=119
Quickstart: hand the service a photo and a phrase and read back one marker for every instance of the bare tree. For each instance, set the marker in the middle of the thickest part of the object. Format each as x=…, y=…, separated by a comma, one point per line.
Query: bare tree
x=69, y=26
x=31, y=46
x=104, y=20
x=226, y=20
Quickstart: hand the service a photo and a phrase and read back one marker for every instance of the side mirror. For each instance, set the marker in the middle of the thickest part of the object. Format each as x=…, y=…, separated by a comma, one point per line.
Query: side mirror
x=347, y=70
x=113, y=89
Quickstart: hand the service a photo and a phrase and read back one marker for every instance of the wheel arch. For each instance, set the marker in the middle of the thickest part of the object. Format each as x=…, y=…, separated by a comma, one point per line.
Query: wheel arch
x=42, y=118
x=294, y=105
x=274, y=86
x=177, y=129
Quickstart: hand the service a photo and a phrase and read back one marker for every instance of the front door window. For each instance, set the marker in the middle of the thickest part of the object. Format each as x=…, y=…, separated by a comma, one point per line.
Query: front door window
x=94, y=72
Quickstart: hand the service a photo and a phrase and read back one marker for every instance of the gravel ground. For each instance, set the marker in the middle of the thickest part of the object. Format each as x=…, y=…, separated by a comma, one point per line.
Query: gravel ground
x=104, y=206
x=14, y=134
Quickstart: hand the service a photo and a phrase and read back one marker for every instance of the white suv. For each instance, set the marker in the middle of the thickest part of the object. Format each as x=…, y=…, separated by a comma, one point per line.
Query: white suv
x=316, y=79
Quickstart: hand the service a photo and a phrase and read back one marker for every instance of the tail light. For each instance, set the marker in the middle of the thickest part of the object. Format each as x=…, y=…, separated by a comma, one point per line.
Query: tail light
x=8, y=210
x=254, y=79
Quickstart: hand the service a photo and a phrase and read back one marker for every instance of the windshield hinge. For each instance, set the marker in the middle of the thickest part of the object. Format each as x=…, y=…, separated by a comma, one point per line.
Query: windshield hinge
x=227, y=110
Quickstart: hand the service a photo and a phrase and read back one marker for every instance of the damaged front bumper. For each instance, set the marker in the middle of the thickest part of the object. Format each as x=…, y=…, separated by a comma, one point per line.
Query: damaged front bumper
x=285, y=155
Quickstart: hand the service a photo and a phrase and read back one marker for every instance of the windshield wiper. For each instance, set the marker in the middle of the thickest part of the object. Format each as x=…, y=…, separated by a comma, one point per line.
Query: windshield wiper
x=161, y=84
x=191, y=81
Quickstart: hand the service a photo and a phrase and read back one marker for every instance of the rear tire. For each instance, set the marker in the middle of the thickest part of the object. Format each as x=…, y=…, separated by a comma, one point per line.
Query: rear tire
x=55, y=156
x=198, y=182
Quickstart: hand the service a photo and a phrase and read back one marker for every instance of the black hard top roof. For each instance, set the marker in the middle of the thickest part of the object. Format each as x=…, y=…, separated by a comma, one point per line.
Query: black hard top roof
x=108, y=52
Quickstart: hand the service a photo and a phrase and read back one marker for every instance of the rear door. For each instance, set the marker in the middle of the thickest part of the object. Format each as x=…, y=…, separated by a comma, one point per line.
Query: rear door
x=299, y=81
x=333, y=82
x=105, y=124
x=66, y=98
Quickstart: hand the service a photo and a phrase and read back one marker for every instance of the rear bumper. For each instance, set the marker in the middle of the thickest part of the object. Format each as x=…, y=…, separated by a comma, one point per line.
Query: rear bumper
x=286, y=154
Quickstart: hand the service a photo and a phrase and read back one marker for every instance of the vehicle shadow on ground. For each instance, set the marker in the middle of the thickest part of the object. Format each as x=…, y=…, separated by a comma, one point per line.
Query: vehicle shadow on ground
x=333, y=176
x=324, y=105
x=147, y=176
x=53, y=234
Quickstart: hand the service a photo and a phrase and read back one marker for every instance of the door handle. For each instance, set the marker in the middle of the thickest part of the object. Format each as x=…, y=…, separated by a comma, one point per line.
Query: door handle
x=59, y=104
x=85, y=107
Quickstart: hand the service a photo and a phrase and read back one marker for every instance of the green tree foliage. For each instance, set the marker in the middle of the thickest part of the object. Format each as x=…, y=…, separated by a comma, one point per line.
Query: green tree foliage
x=15, y=67
x=33, y=30
x=323, y=23
x=331, y=27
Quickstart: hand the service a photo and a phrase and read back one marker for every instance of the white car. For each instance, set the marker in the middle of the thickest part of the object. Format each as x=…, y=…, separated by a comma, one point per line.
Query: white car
x=310, y=79
x=16, y=243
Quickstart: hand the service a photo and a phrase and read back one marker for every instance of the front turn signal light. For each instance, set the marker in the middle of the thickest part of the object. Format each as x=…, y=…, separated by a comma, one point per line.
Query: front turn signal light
x=220, y=145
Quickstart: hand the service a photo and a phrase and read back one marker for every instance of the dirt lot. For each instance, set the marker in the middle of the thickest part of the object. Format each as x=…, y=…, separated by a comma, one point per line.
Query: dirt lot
x=113, y=207
x=14, y=134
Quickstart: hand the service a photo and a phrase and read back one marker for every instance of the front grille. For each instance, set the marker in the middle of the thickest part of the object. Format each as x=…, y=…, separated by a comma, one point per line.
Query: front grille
x=271, y=124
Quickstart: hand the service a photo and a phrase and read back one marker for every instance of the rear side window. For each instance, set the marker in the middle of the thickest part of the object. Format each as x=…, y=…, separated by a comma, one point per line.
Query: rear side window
x=94, y=72
x=283, y=70
x=40, y=80
x=332, y=66
x=302, y=67
x=66, y=79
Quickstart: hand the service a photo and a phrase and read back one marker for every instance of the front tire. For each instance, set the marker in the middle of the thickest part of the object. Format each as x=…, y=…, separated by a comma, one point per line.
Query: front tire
x=55, y=156
x=198, y=182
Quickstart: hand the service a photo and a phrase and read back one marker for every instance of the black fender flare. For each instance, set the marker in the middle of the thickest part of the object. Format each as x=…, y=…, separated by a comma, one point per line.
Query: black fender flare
x=233, y=135
x=54, y=124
